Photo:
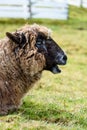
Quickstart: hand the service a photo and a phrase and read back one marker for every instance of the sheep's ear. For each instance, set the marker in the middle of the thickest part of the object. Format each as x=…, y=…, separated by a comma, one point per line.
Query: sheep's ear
x=18, y=38
x=13, y=37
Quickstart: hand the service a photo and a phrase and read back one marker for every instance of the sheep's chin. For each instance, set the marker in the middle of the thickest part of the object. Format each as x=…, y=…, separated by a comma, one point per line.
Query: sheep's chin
x=55, y=70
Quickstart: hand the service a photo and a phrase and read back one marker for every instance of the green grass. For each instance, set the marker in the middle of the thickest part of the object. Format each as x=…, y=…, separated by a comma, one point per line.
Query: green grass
x=57, y=102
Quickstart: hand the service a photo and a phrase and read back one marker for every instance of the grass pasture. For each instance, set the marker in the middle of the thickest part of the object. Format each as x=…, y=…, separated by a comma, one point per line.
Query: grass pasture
x=57, y=102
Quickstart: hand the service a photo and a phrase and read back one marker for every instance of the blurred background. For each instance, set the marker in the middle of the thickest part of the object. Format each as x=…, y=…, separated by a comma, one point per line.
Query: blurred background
x=57, y=102
x=54, y=9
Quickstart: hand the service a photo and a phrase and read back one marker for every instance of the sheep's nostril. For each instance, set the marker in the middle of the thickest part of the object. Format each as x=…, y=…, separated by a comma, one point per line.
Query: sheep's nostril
x=61, y=59
x=65, y=58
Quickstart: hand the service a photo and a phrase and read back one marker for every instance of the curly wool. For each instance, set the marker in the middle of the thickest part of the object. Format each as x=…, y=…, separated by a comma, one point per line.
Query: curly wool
x=37, y=28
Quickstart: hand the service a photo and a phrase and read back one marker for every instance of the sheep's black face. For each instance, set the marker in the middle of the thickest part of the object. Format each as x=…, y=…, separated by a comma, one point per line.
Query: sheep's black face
x=53, y=53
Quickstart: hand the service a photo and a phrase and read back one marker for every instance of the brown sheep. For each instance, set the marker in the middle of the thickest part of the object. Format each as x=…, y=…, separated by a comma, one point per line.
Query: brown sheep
x=24, y=54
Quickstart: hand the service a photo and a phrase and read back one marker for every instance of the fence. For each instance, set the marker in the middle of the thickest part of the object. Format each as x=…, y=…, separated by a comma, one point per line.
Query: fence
x=14, y=8
x=50, y=9
x=79, y=3
x=54, y=9
x=84, y=3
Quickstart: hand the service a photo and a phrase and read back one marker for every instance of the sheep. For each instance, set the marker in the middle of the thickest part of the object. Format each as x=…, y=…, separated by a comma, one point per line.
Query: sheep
x=24, y=54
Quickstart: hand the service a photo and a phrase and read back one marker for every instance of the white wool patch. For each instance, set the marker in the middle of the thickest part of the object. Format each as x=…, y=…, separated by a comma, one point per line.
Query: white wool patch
x=42, y=29
x=49, y=33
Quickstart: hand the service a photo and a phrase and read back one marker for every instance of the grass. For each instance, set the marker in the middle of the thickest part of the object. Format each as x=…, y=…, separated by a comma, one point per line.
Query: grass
x=57, y=102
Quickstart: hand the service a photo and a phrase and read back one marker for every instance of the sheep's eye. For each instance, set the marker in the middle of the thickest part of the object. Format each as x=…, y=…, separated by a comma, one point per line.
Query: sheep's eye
x=39, y=40
x=38, y=43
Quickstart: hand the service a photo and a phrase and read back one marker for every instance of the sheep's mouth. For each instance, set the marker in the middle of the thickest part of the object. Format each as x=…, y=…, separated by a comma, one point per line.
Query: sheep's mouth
x=55, y=69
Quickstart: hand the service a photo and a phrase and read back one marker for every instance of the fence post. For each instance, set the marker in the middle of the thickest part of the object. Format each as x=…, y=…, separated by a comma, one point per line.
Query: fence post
x=30, y=10
x=81, y=3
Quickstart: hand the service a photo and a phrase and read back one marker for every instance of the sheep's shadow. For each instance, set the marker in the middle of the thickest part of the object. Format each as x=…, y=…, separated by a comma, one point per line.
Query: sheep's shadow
x=49, y=113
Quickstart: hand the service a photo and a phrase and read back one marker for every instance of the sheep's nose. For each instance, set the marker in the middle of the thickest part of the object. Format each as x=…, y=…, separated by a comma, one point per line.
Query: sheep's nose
x=64, y=58
x=61, y=59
